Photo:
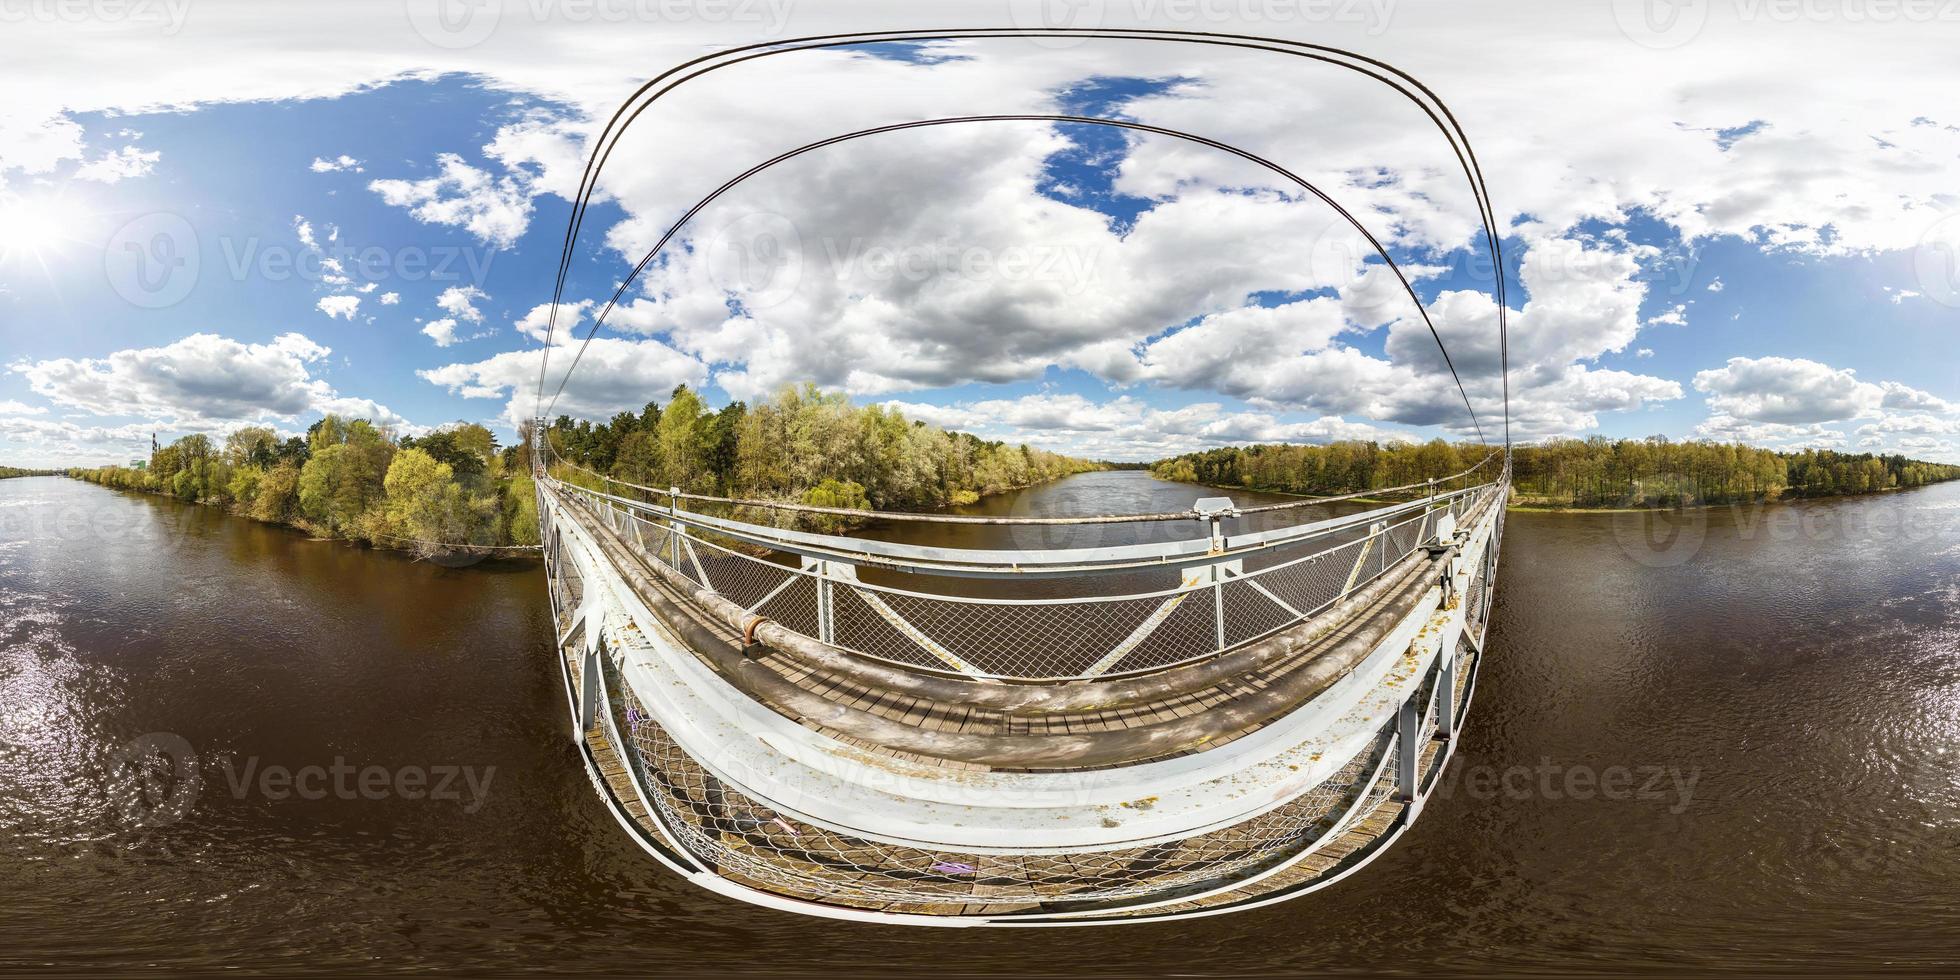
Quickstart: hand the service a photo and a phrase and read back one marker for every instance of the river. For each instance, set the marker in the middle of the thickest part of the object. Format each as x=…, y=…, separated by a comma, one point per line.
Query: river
x=1733, y=744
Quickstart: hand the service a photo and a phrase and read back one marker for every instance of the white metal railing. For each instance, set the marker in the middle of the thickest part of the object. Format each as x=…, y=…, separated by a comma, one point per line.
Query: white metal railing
x=1213, y=603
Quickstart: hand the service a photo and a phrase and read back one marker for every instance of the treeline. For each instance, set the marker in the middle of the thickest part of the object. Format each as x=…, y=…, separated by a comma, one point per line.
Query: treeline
x=13, y=471
x=355, y=480
x=1596, y=472
x=805, y=446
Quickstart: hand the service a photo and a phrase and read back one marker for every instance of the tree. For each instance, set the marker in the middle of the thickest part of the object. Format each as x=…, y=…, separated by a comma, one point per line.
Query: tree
x=425, y=503
x=253, y=445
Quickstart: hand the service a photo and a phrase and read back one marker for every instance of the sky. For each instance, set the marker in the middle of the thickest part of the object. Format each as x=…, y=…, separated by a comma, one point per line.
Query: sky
x=1719, y=221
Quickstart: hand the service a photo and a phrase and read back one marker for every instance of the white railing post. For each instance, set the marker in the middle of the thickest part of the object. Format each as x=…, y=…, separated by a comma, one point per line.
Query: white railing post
x=674, y=527
x=1408, y=749
x=826, y=572
x=1214, y=510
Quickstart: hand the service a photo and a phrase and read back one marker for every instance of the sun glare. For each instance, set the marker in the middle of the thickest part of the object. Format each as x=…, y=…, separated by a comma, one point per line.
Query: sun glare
x=28, y=224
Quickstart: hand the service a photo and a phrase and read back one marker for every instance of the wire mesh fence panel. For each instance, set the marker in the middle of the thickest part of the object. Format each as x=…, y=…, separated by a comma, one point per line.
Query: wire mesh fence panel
x=1313, y=583
x=795, y=606
x=1019, y=639
x=1252, y=611
x=1189, y=630
x=742, y=580
x=909, y=611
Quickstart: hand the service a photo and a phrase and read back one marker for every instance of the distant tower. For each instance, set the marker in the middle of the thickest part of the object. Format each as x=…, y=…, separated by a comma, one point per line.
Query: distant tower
x=153, y=444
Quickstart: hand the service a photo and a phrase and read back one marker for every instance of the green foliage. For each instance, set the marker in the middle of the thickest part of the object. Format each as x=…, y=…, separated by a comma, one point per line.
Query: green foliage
x=352, y=479
x=799, y=443
x=1595, y=472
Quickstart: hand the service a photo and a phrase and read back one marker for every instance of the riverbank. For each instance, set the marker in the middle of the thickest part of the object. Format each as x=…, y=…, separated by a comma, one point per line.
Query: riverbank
x=421, y=550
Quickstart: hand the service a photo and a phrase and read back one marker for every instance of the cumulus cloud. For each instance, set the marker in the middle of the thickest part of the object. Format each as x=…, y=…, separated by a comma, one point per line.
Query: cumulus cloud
x=1127, y=303
x=494, y=209
x=460, y=302
x=1126, y=427
x=339, y=306
x=322, y=165
x=119, y=165
x=203, y=378
x=389, y=298
x=613, y=376
x=1787, y=390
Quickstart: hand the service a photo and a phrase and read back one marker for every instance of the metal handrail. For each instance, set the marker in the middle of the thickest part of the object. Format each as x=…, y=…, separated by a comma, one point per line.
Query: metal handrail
x=1008, y=563
x=676, y=494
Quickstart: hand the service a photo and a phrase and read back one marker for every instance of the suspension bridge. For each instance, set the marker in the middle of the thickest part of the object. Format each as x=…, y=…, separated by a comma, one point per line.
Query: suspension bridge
x=1162, y=715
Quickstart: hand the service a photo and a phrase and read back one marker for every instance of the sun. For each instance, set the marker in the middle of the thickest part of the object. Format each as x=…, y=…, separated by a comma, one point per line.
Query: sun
x=28, y=224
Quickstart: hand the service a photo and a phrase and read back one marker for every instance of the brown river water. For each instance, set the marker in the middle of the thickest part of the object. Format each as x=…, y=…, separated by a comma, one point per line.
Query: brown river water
x=1724, y=739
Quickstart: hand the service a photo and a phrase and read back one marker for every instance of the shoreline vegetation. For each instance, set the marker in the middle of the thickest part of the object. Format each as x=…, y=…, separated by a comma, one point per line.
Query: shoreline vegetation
x=9, y=472
x=1594, y=474
x=803, y=446
x=456, y=490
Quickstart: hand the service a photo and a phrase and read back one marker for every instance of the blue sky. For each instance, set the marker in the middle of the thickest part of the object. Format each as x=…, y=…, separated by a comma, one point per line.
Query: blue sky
x=1741, y=265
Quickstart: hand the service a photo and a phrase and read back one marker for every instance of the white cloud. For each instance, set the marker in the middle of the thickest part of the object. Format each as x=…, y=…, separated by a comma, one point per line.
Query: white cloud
x=459, y=302
x=1839, y=166
x=304, y=229
x=443, y=332
x=390, y=298
x=1784, y=390
x=202, y=378
x=1673, y=316
x=614, y=376
x=1777, y=435
x=1129, y=428
x=118, y=165
x=339, y=306
x=322, y=165
x=494, y=209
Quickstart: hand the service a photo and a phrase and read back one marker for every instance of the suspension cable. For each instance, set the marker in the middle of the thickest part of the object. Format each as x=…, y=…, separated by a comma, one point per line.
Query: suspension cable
x=1380, y=250
x=1395, y=78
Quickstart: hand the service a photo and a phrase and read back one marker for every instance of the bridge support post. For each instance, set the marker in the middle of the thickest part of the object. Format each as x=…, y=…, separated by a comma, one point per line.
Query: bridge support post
x=1408, y=753
x=588, y=693
x=1446, y=691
